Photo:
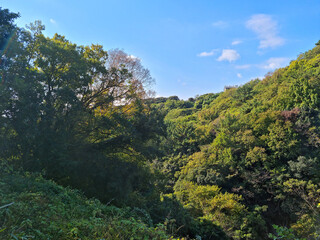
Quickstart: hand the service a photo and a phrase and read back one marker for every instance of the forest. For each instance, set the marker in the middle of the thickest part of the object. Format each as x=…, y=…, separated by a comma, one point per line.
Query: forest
x=88, y=152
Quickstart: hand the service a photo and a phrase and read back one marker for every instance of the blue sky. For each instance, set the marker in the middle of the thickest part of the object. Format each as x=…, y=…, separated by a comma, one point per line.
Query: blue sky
x=191, y=47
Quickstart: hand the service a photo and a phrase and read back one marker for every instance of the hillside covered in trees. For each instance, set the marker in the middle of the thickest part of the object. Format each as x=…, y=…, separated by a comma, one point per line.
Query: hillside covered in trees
x=86, y=152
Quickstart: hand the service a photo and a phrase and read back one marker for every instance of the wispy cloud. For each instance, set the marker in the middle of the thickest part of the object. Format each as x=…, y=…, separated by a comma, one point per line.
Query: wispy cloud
x=239, y=75
x=245, y=66
x=274, y=63
x=229, y=55
x=236, y=42
x=220, y=24
x=208, y=54
x=266, y=29
x=270, y=64
x=182, y=83
x=53, y=21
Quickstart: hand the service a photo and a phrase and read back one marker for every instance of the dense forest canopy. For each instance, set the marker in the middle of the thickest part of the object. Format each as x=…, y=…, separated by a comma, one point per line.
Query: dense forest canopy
x=240, y=164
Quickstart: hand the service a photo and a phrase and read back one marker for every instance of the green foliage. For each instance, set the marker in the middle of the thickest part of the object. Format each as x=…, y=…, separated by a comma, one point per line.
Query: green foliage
x=304, y=168
x=203, y=101
x=283, y=233
x=43, y=210
x=224, y=209
x=244, y=93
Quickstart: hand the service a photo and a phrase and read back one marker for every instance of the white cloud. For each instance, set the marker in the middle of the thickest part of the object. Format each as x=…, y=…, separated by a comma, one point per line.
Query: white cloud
x=239, y=75
x=208, y=54
x=236, y=42
x=245, y=66
x=274, y=63
x=52, y=21
x=229, y=55
x=220, y=24
x=266, y=29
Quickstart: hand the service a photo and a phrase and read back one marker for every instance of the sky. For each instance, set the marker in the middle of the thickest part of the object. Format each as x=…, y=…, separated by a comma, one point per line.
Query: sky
x=190, y=47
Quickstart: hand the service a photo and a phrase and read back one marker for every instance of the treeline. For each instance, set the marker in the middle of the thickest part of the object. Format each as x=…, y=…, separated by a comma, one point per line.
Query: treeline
x=241, y=164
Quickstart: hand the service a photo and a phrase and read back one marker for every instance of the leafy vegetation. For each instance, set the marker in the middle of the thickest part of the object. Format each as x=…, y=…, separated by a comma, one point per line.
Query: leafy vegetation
x=43, y=210
x=240, y=164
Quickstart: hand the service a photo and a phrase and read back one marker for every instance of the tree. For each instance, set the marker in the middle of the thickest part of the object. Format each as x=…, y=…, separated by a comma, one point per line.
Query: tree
x=123, y=80
x=68, y=109
x=6, y=27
